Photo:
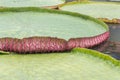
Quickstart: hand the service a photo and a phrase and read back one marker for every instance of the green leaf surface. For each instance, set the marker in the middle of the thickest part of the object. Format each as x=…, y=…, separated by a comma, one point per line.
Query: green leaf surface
x=108, y=10
x=27, y=22
x=28, y=3
x=79, y=64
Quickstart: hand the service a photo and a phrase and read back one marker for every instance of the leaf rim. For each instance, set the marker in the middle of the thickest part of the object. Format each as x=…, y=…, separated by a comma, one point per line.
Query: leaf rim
x=106, y=20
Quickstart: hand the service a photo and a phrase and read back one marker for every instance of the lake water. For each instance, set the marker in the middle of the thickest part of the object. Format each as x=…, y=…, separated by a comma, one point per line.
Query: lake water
x=115, y=32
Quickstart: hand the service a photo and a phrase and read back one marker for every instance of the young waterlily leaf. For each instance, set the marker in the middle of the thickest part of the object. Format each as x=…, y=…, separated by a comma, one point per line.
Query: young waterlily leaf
x=106, y=11
x=80, y=64
x=28, y=22
x=28, y=3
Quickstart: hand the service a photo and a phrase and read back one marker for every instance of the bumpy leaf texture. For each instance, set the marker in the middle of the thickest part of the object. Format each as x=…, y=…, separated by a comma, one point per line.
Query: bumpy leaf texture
x=87, y=42
x=32, y=44
x=49, y=44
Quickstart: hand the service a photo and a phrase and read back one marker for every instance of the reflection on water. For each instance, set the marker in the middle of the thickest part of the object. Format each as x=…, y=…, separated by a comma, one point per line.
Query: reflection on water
x=114, y=32
x=115, y=38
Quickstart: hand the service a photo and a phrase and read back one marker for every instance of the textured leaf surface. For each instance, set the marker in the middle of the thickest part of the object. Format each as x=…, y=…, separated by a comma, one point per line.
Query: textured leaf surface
x=27, y=22
x=30, y=22
x=107, y=10
x=28, y=3
x=80, y=64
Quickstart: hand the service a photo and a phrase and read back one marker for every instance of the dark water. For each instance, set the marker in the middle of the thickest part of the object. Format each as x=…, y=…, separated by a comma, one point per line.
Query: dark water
x=115, y=32
x=115, y=38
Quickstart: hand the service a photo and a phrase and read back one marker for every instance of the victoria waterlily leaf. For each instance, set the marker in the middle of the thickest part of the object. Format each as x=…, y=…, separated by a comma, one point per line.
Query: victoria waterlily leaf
x=80, y=64
x=17, y=24
x=106, y=11
x=28, y=3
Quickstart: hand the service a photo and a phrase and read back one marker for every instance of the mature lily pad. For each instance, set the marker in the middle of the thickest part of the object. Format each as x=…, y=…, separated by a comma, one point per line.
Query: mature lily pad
x=28, y=3
x=27, y=22
x=106, y=11
x=80, y=64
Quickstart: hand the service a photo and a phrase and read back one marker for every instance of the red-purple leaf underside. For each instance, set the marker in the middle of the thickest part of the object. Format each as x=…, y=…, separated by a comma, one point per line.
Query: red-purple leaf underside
x=49, y=44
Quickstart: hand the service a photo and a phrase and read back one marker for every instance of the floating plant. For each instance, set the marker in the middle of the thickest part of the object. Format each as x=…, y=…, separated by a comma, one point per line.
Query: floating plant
x=31, y=30
x=106, y=11
x=79, y=64
x=29, y=3
x=36, y=30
